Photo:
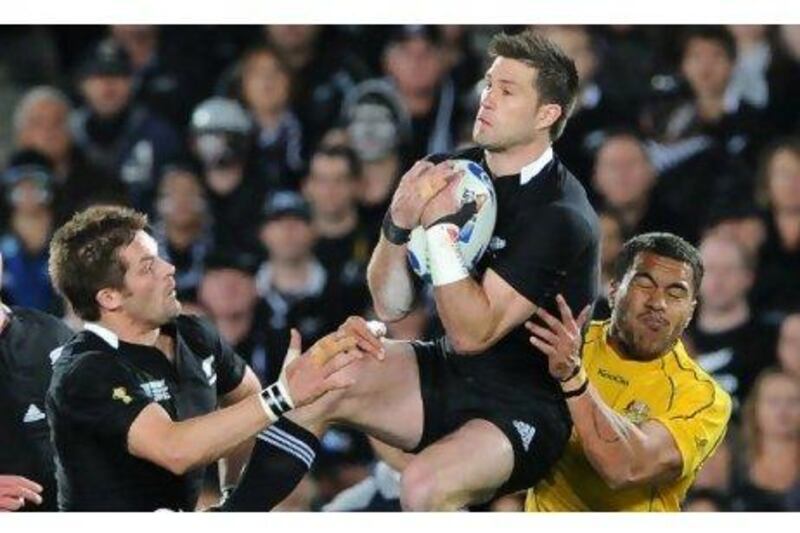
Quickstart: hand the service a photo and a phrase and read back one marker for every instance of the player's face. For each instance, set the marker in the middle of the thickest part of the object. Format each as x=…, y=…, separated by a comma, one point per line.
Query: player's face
x=149, y=295
x=652, y=305
x=509, y=109
x=778, y=407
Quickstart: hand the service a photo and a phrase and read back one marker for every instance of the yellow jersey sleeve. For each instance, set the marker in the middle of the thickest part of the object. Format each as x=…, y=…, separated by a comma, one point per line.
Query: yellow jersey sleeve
x=697, y=420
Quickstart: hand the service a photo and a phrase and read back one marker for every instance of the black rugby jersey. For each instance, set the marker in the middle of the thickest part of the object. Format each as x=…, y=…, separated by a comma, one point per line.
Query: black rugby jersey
x=546, y=241
x=100, y=385
x=27, y=344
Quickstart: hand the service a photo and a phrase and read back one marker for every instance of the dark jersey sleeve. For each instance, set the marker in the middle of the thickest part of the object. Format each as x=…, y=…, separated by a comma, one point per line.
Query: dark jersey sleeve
x=541, y=250
x=101, y=395
x=228, y=365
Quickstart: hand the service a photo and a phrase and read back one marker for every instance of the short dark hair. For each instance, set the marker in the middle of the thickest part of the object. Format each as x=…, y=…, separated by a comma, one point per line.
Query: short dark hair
x=718, y=34
x=85, y=255
x=556, y=80
x=339, y=151
x=665, y=245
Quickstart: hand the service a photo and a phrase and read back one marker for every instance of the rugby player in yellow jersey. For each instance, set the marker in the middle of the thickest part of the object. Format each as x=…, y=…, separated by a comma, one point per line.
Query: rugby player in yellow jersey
x=645, y=415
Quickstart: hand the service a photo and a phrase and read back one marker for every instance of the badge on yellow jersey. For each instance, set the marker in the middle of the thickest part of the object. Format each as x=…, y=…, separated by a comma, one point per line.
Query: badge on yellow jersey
x=637, y=412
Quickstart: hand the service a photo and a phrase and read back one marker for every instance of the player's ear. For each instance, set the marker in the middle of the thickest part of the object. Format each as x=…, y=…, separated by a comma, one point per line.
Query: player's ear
x=109, y=299
x=547, y=115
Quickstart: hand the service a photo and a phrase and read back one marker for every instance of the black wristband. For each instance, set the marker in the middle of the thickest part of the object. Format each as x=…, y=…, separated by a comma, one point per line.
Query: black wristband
x=577, y=392
x=572, y=374
x=274, y=399
x=394, y=233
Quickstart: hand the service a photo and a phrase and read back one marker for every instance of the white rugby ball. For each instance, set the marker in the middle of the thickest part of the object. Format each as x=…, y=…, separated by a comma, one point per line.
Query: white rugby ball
x=475, y=233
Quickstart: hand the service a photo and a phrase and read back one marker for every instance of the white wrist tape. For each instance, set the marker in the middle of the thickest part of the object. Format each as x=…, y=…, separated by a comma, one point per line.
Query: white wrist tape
x=446, y=262
x=275, y=400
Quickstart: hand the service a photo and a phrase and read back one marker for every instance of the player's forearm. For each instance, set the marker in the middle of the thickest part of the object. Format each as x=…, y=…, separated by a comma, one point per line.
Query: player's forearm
x=233, y=463
x=389, y=281
x=205, y=439
x=614, y=446
x=466, y=315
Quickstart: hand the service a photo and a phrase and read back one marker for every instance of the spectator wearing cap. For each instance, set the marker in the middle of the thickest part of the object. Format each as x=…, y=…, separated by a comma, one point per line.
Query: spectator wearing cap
x=331, y=185
x=41, y=123
x=731, y=343
x=183, y=227
x=413, y=61
x=220, y=139
x=297, y=289
x=119, y=135
x=379, y=131
x=27, y=183
x=323, y=70
x=265, y=88
x=777, y=290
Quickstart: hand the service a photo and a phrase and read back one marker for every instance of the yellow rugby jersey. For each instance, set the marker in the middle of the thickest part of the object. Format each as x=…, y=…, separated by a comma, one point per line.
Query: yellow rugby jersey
x=673, y=390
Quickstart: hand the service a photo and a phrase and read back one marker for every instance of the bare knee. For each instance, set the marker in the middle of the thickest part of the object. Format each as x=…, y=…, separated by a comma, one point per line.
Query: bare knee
x=421, y=489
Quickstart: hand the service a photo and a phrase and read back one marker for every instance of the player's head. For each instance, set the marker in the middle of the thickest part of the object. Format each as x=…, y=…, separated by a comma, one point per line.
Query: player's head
x=729, y=273
x=530, y=92
x=106, y=265
x=654, y=292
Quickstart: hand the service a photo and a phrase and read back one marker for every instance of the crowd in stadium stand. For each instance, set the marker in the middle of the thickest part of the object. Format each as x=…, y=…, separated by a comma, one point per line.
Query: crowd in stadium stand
x=266, y=157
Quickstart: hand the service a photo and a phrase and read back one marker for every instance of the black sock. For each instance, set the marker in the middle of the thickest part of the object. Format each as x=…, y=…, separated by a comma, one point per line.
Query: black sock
x=282, y=455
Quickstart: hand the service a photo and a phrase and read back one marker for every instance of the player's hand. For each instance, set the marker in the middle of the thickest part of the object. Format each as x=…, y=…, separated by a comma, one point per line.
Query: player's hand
x=15, y=491
x=416, y=188
x=561, y=340
x=443, y=204
x=319, y=370
x=368, y=335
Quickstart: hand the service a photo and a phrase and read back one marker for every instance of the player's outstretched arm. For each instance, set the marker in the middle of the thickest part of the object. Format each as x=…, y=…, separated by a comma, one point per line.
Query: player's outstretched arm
x=182, y=446
x=388, y=276
x=623, y=453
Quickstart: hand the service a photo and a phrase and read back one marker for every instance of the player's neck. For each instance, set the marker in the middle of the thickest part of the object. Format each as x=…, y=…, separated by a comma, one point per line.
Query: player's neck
x=129, y=330
x=624, y=349
x=712, y=320
x=512, y=160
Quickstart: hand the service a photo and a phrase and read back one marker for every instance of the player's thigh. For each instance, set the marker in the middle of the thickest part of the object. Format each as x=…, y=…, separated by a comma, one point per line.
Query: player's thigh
x=385, y=400
x=468, y=465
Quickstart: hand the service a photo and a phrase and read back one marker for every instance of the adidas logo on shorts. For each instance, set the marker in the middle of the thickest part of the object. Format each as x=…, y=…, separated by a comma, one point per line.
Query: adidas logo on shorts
x=526, y=433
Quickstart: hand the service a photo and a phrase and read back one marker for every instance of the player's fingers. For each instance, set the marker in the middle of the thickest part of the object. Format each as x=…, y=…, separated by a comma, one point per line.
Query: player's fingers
x=566, y=314
x=543, y=347
x=553, y=323
x=8, y=503
x=362, y=330
x=19, y=491
x=341, y=361
x=338, y=380
x=19, y=481
x=295, y=347
x=584, y=316
x=544, y=334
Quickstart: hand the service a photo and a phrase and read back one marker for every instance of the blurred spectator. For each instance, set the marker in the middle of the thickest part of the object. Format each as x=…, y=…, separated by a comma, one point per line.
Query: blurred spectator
x=41, y=122
x=753, y=56
x=414, y=63
x=789, y=345
x=594, y=112
x=344, y=460
x=772, y=435
x=706, y=501
x=118, y=135
x=161, y=82
x=731, y=343
x=716, y=472
x=27, y=183
x=342, y=244
x=379, y=129
x=297, y=289
x=610, y=246
x=783, y=113
x=323, y=71
x=461, y=58
x=220, y=140
x=743, y=223
x=227, y=293
x=183, y=228
x=624, y=180
x=777, y=290
x=266, y=88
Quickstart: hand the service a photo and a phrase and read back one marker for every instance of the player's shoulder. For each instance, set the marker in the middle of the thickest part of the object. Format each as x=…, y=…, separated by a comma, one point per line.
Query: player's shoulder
x=472, y=153
x=198, y=332
x=692, y=383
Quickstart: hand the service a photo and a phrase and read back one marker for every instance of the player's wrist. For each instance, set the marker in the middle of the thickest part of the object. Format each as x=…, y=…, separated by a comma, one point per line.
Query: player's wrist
x=446, y=262
x=576, y=384
x=276, y=400
x=393, y=232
